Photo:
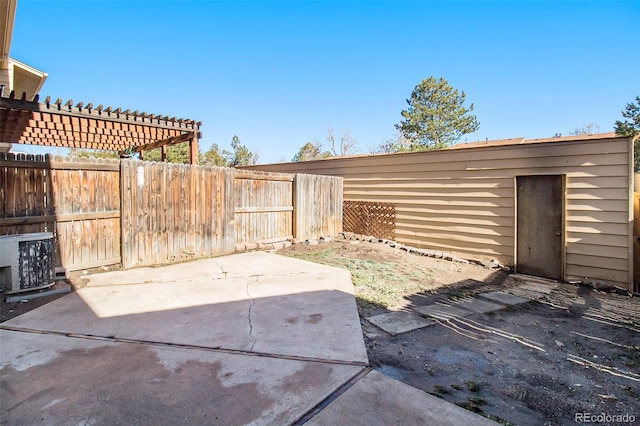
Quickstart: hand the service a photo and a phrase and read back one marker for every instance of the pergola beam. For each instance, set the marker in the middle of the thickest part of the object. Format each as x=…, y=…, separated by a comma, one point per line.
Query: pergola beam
x=64, y=125
x=165, y=142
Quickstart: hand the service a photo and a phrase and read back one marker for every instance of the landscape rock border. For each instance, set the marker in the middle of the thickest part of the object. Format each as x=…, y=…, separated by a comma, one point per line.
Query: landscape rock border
x=357, y=238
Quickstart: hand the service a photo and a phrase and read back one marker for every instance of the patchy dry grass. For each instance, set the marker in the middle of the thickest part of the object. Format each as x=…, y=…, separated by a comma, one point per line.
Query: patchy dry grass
x=375, y=282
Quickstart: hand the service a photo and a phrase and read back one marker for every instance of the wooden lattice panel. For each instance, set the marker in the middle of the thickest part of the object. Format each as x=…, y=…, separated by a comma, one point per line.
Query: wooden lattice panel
x=369, y=218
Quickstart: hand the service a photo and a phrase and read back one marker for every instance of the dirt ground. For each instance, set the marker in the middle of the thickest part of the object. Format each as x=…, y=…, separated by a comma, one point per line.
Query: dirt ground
x=574, y=351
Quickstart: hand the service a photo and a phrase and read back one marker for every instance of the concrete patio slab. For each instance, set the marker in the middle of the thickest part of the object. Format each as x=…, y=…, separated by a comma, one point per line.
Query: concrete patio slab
x=479, y=306
x=442, y=311
x=380, y=400
x=254, y=338
x=504, y=298
x=54, y=379
x=316, y=309
x=399, y=322
x=251, y=264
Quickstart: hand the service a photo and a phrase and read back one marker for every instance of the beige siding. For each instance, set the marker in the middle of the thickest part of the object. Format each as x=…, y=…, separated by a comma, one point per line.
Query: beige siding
x=463, y=201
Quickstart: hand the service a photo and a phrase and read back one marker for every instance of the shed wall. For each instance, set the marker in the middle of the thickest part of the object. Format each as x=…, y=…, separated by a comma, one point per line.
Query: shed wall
x=463, y=201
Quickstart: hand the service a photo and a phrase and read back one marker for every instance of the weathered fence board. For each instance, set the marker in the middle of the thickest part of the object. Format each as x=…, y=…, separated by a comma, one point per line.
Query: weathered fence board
x=317, y=206
x=263, y=208
x=79, y=201
x=636, y=241
x=173, y=213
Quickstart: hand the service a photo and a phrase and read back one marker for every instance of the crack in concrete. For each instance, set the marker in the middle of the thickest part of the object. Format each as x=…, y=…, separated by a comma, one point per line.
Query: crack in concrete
x=221, y=270
x=253, y=303
x=94, y=408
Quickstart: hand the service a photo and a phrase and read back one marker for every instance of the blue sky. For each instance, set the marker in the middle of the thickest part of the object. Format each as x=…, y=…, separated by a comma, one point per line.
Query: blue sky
x=278, y=74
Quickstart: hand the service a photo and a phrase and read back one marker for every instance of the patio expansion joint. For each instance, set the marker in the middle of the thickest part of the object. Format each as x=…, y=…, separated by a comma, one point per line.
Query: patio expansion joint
x=217, y=349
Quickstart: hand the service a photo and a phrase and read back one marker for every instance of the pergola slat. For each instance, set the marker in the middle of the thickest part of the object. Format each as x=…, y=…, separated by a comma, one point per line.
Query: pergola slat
x=61, y=124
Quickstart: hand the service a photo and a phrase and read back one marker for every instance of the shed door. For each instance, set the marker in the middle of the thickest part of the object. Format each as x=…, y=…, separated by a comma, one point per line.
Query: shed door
x=540, y=204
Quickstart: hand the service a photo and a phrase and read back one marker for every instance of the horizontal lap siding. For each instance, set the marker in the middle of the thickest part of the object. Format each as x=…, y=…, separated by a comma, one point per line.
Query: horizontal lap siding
x=463, y=201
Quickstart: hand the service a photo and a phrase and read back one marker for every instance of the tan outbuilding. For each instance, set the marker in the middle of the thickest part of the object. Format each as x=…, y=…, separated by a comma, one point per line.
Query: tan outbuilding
x=560, y=208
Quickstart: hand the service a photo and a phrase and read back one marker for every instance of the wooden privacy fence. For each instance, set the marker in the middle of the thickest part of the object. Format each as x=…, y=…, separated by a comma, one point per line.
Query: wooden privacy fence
x=78, y=201
x=174, y=212
x=105, y=212
x=636, y=241
x=263, y=206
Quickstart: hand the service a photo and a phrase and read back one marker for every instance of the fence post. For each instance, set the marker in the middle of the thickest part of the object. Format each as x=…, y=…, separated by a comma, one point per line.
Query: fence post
x=297, y=225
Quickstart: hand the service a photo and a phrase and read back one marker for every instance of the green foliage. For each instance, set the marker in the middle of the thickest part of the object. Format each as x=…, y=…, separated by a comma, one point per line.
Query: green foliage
x=90, y=153
x=630, y=127
x=436, y=117
x=239, y=156
x=310, y=151
x=214, y=157
x=178, y=153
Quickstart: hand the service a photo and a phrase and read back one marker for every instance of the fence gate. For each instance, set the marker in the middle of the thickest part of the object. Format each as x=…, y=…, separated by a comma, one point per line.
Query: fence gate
x=263, y=207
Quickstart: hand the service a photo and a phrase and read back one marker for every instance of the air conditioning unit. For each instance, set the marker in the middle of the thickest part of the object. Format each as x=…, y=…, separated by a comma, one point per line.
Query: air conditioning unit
x=26, y=262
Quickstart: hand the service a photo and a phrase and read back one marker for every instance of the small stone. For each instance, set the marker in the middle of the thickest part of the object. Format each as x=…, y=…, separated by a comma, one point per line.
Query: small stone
x=326, y=239
x=239, y=247
x=490, y=264
x=287, y=244
x=603, y=286
x=251, y=246
x=311, y=242
x=559, y=343
x=85, y=272
x=295, y=241
x=607, y=396
x=354, y=242
x=278, y=246
x=347, y=235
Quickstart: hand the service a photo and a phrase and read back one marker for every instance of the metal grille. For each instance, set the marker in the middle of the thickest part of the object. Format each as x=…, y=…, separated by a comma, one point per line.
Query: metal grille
x=369, y=218
x=36, y=265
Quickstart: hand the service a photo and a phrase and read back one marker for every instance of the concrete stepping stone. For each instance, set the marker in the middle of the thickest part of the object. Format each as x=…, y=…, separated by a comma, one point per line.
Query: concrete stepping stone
x=442, y=311
x=504, y=298
x=480, y=306
x=399, y=322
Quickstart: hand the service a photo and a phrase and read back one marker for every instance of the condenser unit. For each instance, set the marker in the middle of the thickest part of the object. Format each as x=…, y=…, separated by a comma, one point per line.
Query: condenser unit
x=26, y=262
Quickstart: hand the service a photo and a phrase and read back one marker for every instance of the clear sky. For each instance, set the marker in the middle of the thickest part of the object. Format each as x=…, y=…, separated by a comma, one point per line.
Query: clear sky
x=278, y=74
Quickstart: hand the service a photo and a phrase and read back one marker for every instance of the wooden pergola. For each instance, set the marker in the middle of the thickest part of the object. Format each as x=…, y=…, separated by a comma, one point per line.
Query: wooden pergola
x=85, y=126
